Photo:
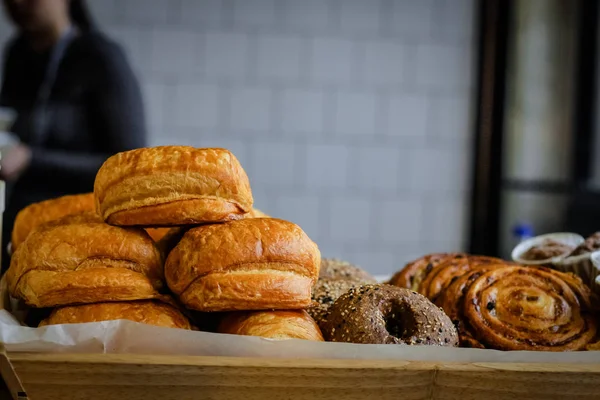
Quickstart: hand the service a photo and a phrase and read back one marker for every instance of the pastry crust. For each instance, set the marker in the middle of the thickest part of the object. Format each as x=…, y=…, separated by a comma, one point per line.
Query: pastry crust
x=37, y=214
x=80, y=259
x=250, y=264
x=145, y=311
x=292, y=324
x=528, y=308
x=413, y=273
x=172, y=185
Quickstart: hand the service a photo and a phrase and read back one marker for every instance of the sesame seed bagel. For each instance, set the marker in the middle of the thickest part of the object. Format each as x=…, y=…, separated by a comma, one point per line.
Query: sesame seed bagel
x=385, y=314
x=324, y=293
x=334, y=268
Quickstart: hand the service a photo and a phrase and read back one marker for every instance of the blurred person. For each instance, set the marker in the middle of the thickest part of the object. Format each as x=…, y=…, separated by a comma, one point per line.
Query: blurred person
x=77, y=102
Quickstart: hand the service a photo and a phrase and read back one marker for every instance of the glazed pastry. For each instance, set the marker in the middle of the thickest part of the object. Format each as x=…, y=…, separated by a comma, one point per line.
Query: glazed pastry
x=527, y=308
x=80, y=259
x=292, y=324
x=37, y=214
x=385, y=314
x=250, y=264
x=144, y=311
x=438, y=278
x=451, y=300
x=413, y=273
x=337, y=269
x=172, y=185
x=325, y=292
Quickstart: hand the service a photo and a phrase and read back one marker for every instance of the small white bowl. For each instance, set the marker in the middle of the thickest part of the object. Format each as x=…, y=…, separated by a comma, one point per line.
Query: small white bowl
x=571, y=239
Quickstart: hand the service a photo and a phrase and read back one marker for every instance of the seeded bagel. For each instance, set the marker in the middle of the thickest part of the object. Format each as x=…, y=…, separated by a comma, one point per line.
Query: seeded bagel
x=385, y=314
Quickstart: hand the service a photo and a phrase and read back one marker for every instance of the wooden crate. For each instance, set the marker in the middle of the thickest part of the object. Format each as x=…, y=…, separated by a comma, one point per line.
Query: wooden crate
x=89, y=376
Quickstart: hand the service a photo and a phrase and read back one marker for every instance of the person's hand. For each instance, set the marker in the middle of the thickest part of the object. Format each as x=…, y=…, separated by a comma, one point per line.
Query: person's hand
x=14, y=161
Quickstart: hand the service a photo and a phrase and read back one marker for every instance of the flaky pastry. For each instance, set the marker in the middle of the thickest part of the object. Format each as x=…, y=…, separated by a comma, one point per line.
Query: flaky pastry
x=37, y=214
x=249, y=264
x=143, y=311
x=80, y=259
x=172, y=185
x=291, y=324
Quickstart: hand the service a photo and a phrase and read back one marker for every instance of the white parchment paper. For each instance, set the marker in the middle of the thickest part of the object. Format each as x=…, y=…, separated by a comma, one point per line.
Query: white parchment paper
x=134, y=338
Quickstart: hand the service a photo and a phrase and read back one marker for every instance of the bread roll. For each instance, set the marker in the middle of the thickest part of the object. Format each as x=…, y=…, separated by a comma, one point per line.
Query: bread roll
x=144, y=311
x=37, y=214
x=250, y=264
x=172, y=185
x=295, y=324
x=80, y=259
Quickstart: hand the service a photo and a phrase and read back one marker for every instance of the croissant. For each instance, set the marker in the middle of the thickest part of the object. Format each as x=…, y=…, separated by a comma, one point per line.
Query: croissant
x=37, y=214
x=80, y=259
x=172, y=185
x=144, y=311
x=292, y=324
x=249, y=264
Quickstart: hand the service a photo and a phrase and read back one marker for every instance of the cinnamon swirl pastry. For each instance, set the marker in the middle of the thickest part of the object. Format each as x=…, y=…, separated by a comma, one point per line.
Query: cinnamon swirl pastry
x=528, y=308
x=451, y=300
x=413, y=273
x=444, y=273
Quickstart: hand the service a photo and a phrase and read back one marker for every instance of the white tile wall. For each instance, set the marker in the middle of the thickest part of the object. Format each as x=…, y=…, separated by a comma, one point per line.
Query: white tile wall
x=351, y=117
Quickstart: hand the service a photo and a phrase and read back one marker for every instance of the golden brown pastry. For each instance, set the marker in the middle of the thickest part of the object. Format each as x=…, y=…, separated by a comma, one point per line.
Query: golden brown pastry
x=80, y=259
x=143, y=311
x=440, y=277
x=452, y=300
x=333, y=268
x=172, y=185
x=528, y=308
x=292, y=324
x=249, y=264
x=413, y=273
x=385, y=314
x=37, y=214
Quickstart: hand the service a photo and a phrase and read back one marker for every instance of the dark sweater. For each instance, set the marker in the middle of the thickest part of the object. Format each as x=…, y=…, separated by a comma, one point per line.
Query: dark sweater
x=94, y=110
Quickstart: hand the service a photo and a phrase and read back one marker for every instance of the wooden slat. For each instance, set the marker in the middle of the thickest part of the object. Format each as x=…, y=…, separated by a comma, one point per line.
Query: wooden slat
x=97, y=376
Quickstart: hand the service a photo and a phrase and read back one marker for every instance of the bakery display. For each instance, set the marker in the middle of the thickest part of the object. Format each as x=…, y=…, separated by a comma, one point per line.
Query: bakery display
x=334, y=268
x=172, y=185
x=292, y=324
x=80, y=259
x=144, y=311
x=325, y=292
x=37, y=214
x=545, y=250
x=385, y=314
x=170, y=235
x=249, y=264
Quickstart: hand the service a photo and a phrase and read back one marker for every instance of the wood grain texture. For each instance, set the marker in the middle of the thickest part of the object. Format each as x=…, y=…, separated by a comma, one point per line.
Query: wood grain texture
x=83, y=376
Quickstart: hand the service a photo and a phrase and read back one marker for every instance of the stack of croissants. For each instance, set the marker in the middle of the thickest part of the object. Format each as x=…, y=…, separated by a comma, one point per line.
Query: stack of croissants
x=169, y=237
